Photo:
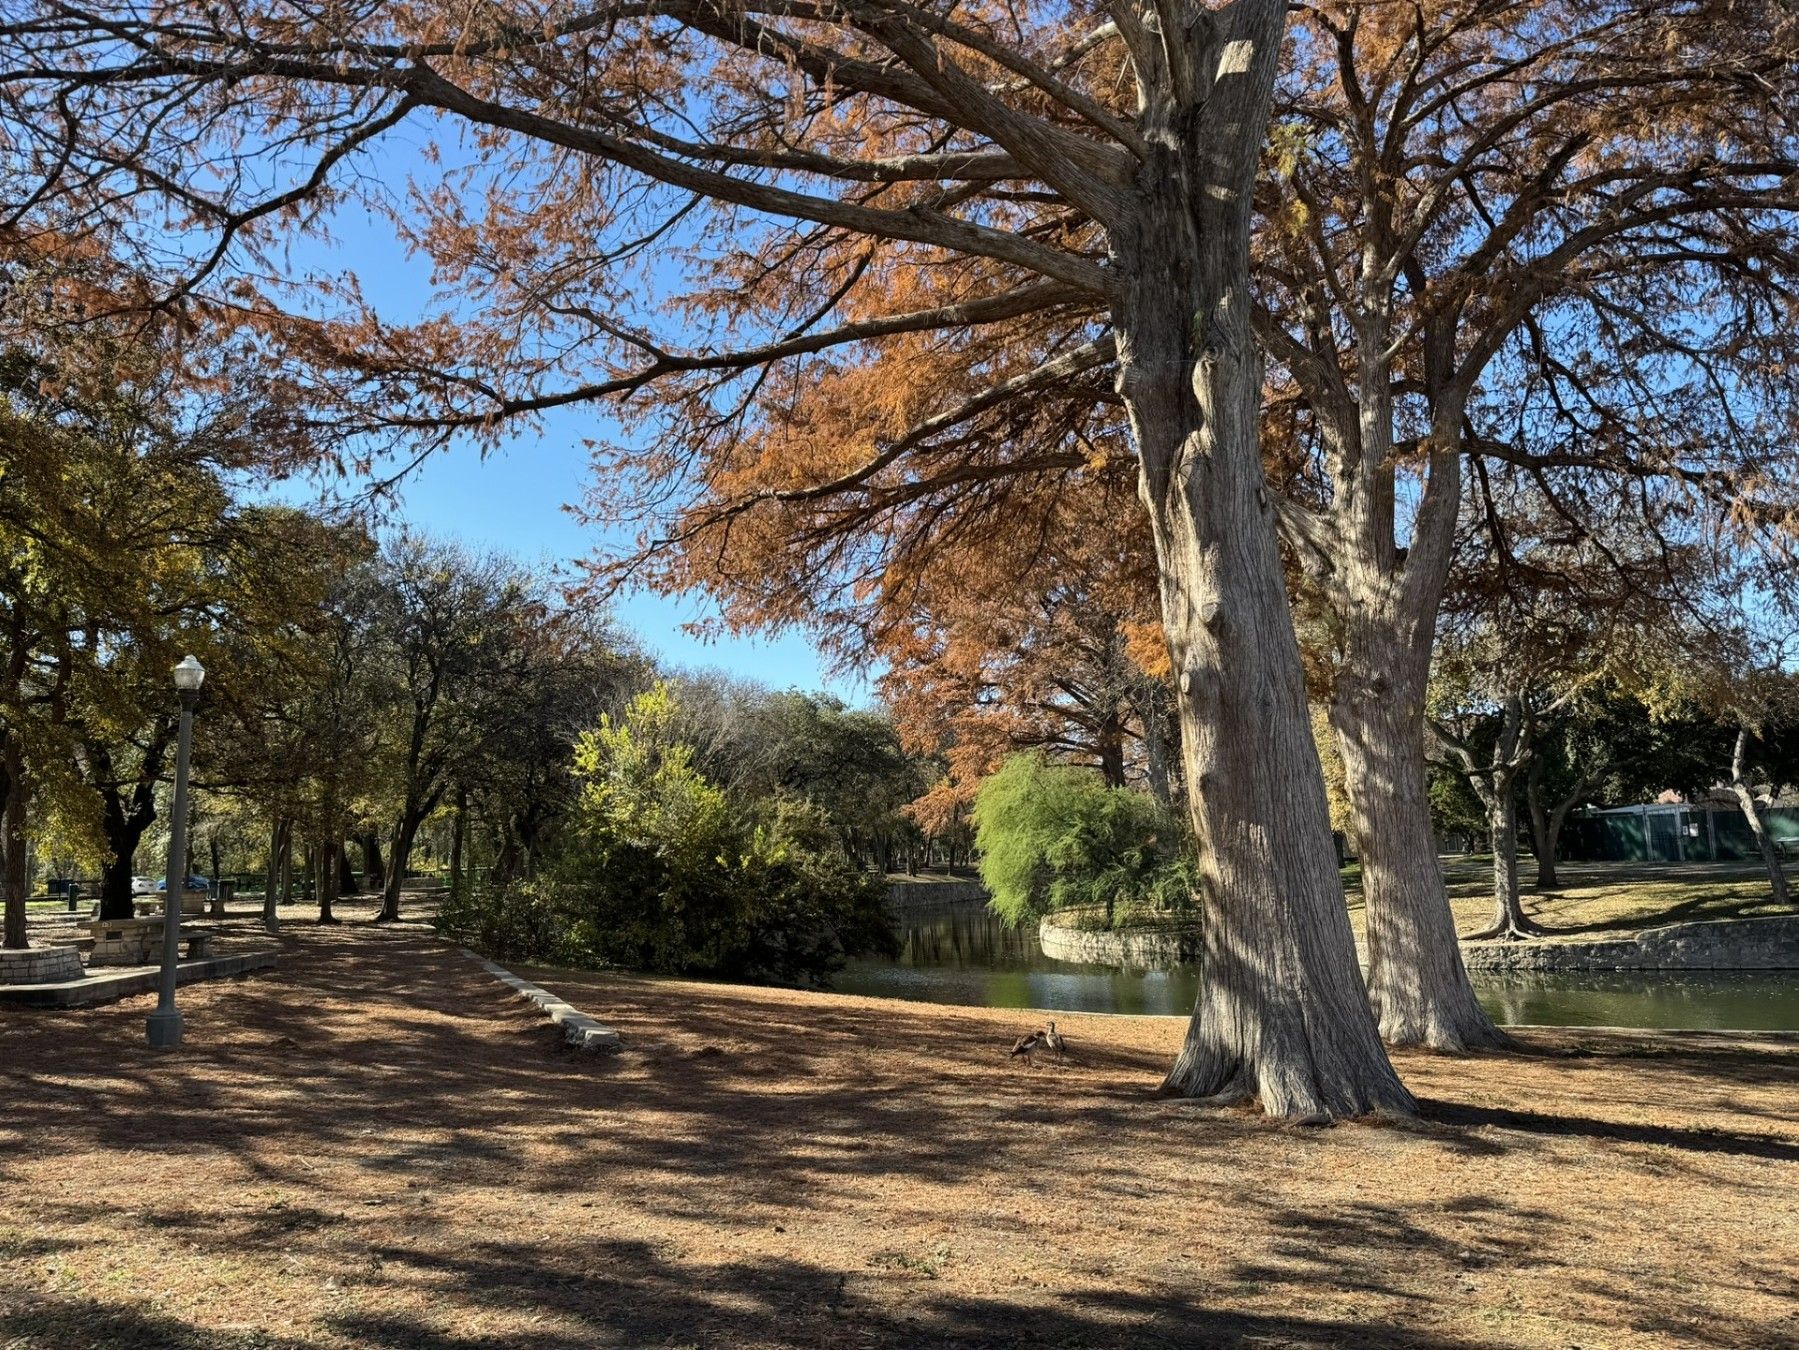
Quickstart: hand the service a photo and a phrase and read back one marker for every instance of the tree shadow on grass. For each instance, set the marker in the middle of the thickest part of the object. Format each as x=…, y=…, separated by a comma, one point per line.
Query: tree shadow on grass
x=624, y=1293
x=1705, y=907
x=405, y=1069
x=744, y=1305
x=48, y=1322
x=389, y=1046
x=1465, y=1116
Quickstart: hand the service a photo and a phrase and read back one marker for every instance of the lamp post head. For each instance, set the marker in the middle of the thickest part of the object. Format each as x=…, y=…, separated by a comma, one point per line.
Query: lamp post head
x=189, y=675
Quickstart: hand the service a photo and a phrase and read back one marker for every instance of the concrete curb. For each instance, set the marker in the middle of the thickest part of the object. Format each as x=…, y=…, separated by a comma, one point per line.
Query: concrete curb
x=578, y=1029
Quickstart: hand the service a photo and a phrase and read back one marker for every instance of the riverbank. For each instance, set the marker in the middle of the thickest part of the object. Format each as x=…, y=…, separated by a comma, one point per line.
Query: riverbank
x=1754, y=944
x=1715, y=944
x=1666, y=909
x=377, y=1145
x=1601, y=900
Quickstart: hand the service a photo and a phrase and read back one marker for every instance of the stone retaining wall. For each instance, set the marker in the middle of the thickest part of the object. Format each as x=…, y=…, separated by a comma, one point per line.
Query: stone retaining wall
x=1726, y=944
x=108, y=986
x=1723, y=944
x=40, y=965
x=1146, y=949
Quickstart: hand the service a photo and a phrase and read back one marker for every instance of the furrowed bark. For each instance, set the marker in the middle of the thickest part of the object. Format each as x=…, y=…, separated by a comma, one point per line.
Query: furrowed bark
x=1417, y=982
x=1282, y=1015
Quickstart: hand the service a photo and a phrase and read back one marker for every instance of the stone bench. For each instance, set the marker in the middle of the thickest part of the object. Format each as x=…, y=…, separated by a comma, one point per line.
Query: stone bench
x=138, y=942
x=124, y=942
x=152, y=906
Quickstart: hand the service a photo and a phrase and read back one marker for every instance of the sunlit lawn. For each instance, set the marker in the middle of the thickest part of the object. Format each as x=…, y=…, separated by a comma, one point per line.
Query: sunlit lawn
x=1598, y=899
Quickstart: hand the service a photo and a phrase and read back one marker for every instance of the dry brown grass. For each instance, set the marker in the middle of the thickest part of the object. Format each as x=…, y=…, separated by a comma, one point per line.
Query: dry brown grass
x=376, y=1145
x=1604, y=900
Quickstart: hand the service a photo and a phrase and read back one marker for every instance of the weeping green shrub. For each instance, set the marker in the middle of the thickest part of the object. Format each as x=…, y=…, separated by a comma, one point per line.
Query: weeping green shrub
x=1054, y=837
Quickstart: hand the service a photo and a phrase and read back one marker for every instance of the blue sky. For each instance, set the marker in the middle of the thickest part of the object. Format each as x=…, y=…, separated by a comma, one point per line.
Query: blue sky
x=513, y=500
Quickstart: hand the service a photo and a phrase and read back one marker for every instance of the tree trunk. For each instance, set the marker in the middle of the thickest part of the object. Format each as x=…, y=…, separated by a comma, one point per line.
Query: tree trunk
x=347, y=884
x=127, y=811
x=505, y=862
x=1282, y=1014
x=1552, y=842
x=287, y=863
x=12, y=845
x=1752, y=812
x=323, y=877
x=1155, y=747
x=123, y=829
x=371, y=861
x=271, y=876
x=115, y=889
x=123, y=826
x=1542, y=837
x=398, y=859
x=1417, y=982
x=1111, y=751
x=1509, y=919
x=458, y=831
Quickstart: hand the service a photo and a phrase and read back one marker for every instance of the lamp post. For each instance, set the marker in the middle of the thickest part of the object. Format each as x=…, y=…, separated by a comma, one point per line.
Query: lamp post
x=165, y=1023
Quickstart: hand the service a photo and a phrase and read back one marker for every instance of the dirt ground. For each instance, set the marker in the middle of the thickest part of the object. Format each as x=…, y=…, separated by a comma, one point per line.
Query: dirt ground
x=377, y=1145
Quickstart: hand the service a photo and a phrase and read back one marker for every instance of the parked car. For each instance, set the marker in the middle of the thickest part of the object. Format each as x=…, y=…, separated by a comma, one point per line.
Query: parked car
x=193, y=884
x=144, y=886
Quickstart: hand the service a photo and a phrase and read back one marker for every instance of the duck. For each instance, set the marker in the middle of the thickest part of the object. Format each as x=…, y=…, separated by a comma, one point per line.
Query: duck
x=1053, y=1040
x=1027, y=1046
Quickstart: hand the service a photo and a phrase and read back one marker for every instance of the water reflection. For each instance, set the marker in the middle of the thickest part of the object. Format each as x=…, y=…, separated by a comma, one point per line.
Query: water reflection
x=962, y=954
x=1703, y=1000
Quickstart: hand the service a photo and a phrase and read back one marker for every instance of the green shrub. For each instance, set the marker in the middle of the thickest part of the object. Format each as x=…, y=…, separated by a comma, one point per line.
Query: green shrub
x=664, y=872
x=521, y=921
x=1053, y=837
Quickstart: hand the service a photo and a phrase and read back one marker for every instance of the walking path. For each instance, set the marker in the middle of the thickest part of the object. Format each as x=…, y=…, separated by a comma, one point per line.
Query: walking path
x=377, y=1144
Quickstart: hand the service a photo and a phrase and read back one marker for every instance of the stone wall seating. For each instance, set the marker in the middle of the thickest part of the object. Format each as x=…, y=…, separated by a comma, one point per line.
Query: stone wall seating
x=138, y=942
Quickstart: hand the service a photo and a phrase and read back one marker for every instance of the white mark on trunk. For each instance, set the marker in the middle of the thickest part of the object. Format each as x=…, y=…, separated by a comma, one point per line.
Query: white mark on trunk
x=1236, y=57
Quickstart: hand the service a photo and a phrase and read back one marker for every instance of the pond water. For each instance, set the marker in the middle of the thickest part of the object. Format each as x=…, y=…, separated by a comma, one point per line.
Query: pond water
x=962, y=954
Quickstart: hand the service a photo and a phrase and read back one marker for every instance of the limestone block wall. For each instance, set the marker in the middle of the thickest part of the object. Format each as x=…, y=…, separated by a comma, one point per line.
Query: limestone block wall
x=1146, y=949
x=40, y=965
x=1723, y=944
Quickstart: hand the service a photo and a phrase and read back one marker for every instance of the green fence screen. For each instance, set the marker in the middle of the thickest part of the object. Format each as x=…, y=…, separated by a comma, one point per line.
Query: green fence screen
x=1685, y=834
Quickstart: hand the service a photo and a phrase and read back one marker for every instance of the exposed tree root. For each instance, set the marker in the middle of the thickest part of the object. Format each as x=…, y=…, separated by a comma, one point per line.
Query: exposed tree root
x=1516, y=930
